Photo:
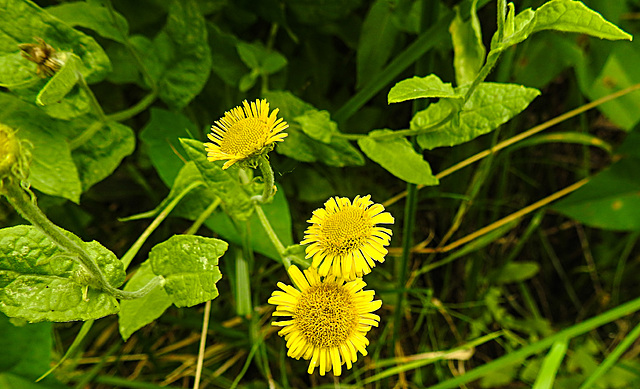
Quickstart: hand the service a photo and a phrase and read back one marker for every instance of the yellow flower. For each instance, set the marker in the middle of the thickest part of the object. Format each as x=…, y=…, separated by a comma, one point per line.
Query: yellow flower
x=343, y=237
x=245, y=132
x=329, y=319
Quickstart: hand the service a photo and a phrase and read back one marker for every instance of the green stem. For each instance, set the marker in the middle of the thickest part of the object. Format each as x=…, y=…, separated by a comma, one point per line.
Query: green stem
x=19, y=199
x=272, y=236
x=86, y=135
x=140, y=106
x=203, y=217
x=97, y=108
x=133, y=250
x=267, y=175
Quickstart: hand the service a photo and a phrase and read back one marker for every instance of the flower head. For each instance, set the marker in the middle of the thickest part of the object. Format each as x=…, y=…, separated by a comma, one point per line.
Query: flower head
x=14, y=157
x=244, y=133
x=329, y=319
x=344, y=239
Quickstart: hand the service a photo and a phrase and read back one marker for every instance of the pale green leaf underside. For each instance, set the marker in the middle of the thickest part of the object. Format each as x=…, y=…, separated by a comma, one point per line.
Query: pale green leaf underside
x=398, y=157
x=420, y=87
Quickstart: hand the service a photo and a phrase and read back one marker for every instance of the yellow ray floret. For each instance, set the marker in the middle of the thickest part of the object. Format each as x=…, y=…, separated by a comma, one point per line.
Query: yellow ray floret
x=328, y=319
x=245, y=132
x=344, y=239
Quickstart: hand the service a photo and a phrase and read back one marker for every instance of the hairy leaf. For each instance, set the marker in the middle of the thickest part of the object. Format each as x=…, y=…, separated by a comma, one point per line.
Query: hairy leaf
x=39, y=281
x=490, y=105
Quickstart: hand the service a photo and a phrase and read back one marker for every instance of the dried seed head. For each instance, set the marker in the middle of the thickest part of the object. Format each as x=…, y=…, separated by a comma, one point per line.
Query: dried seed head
x=42, y=54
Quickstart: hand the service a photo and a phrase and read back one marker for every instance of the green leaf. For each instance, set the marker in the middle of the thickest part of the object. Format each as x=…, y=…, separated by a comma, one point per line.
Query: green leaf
x=61, y=83
x=621, y=70
x=468, y=49
x=224, y=183
x=560, y=15
x=225, y=59
x=39, y=281
x=259, y=58
x=135, y=314
x=94, y=17
x=574, y=16
x=160, y=136
x=551, y=364
x=609, y=200
x=97, y=158
x=517, y=272
x=22, y=20
x=26, y=349
x=279, y=217
x=189, y=265
x=420, y=87
x=398, y=157
x=377, y=39
x=183, y=50
x=318, y=125
x=314, y=12
x=302, y=147
x=490, y=105
x=52, y=169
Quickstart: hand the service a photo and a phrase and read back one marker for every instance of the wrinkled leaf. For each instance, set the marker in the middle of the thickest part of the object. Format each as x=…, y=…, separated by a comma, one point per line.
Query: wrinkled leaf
x=490, y=105
x=398, y=157
x=189, y=265
x=420, y=87
x=183, y=50
x=39, y=281
x=102, y=153
x=135, y=314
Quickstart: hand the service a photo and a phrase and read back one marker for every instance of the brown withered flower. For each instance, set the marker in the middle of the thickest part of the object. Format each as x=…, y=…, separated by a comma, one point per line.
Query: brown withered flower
x=43, y=55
